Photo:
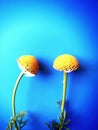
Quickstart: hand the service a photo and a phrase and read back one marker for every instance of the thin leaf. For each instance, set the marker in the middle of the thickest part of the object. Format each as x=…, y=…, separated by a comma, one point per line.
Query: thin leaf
x=23, y=124
x=48, y=125
x=67, y=122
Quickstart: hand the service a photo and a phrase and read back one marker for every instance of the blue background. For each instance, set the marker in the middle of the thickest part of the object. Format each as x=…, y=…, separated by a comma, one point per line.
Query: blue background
x=47, y=29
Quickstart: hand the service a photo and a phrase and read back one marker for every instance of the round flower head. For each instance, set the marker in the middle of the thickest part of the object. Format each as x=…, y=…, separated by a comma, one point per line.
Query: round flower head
x=66, y=63
x=29, y=64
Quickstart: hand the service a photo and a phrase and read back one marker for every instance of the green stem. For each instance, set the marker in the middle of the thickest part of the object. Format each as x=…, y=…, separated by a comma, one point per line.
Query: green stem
x=64, y=93
x=14, y=92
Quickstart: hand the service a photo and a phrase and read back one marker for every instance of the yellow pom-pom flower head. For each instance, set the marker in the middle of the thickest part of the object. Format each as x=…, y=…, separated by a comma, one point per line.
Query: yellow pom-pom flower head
x=29, y=64
x=66, y=63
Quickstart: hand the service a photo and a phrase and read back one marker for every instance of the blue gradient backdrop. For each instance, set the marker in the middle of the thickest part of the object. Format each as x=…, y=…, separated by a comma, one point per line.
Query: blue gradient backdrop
x=47, y=29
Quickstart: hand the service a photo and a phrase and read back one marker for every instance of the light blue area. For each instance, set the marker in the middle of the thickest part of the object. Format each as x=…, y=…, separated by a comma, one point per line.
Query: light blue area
x=47, y=29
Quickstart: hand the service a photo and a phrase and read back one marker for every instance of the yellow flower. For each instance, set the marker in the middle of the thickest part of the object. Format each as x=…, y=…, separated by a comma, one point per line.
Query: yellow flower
x=66, y=63
x=29, y=63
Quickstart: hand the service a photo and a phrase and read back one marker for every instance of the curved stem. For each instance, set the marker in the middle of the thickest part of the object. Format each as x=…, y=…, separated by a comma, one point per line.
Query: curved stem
x=64, y=93
x=14, y=92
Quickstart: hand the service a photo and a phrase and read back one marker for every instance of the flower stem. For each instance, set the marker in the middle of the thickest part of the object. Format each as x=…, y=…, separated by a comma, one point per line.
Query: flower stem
x=14, y=92
x=64, y=93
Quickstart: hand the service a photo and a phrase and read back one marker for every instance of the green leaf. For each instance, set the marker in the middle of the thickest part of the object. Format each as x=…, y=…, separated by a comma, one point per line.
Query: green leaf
x=60, y=118
x=23, y=123
x=47, y=124
x=67, y=122
x=17, y=122
x=59, y=103
x=66, y=128
x=55, y=124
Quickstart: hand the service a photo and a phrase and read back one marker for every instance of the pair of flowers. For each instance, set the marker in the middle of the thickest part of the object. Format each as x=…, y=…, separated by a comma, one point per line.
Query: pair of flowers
x=30, y=66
